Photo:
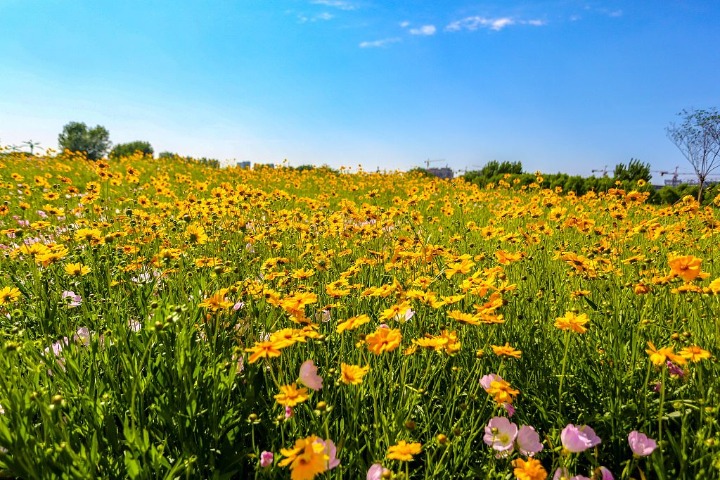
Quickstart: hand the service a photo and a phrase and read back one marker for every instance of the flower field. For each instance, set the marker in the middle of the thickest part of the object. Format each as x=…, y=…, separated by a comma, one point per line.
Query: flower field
x=164, y=319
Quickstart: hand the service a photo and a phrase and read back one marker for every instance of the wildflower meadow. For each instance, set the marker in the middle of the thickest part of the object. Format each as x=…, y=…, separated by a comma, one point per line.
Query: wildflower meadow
x=166, y=319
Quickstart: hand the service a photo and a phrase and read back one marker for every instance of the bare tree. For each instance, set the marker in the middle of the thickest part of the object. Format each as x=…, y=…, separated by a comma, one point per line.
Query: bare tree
x=698, y=139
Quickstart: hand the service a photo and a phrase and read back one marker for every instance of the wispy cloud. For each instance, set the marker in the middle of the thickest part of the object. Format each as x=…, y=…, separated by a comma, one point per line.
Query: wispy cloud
x=424, y=30
x=379, y=43
x=325, y=16
x=616, y=13
x=341, y=4
x=404, y=24
x=476, y=22
x=536, y=22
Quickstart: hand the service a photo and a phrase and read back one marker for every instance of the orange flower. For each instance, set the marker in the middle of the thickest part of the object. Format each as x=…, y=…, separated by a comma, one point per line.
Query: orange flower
x=352, y=323
x=529, y=469
x=264, y=350
x=506, y=351
x=404, y=451
x=306, y=459
x=694, y=353
x=686, y=267
x=383, y=340
x=501, y=391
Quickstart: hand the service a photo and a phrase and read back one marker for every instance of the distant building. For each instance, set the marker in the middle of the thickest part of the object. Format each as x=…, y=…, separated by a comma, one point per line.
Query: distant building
x=441, y=172
x=243, y=164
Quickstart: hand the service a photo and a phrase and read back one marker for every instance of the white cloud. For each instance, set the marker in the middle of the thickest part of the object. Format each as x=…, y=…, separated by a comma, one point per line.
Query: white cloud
x=496, y=24
x=616, y=13
x=475, y=22
x=379, y=43
x=424, y=30
x=500, y=23
x=404, y=24
x=341, y=4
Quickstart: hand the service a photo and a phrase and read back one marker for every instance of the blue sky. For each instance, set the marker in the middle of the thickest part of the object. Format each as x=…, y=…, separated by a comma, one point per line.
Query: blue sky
x=560, y=85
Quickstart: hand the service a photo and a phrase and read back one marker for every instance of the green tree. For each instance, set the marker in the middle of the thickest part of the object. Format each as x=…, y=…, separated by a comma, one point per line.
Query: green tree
x=634, y=171
x=76, y=137
x=493, y=168
x=127, y=149
x=698, y=139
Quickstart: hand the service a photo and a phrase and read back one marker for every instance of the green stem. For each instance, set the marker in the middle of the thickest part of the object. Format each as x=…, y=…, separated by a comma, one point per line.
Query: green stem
x=562, y=372
x=662, y=404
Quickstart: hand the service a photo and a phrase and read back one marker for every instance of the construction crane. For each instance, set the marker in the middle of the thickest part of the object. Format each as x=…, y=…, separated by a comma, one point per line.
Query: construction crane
x=604, y=171
x=675, y=181
x=32, y=145
x=428, y=162
x=465, y=170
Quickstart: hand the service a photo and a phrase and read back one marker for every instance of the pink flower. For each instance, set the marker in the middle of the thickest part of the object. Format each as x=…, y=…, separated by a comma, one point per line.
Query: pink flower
x=500, y=434
x=309, y=376
x=486, y=380
x=640, y=444
x=70, y=299
x=602, y=473
x=578, y=439
x=375, y=472
x=82, y=335
x=674, y=369
x=509, y=409
x=331, y=452
x=266, y=459
x=288, y=412
x=562, y=474
x=528, y=441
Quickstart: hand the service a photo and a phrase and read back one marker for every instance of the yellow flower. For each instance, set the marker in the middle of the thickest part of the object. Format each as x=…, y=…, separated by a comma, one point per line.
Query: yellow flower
x=352, y=374
x=265, y=350
x=92, y=235
x=572, y=321
x=76, y=269
x=290, y=395
x=196, y=234
x=529, y=469
x=659, y=356
x=694, y=353
x=395, y=312
x=217, y=301
x=306, y=459
x=506, y=351
x=462, y=266
x=352, y=323
x=383, y=340
x=464, y=317
x=9, y=295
